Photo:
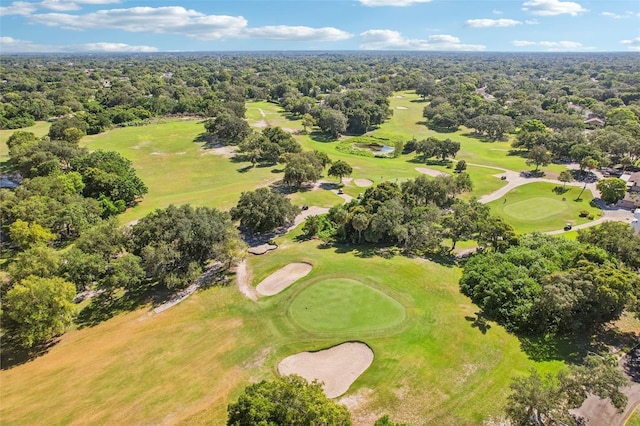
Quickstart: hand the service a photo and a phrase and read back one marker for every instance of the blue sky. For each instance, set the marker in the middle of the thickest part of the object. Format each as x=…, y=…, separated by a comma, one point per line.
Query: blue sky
x=253, y=25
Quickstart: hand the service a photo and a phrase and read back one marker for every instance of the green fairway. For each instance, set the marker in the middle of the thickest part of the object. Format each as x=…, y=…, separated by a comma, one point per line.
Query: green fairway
x=536, y=207
x=345, y=306
x=39, y=129
x=178, y=170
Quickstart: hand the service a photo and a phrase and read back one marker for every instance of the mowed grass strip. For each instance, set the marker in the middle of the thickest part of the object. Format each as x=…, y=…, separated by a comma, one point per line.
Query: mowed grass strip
x=345, y=306
x=537, y=207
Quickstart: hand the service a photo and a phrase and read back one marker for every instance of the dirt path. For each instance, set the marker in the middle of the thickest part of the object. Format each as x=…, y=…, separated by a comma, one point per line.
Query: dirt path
x=262, y=113
x=243, y=281
x=205, y=277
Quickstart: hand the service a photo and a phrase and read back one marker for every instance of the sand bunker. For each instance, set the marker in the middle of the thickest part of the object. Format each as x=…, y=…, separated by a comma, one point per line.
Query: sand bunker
x=283, y=278
x=401, y=107
x=262, y=248
x=337, y=367
x=363, y=182
x=430, y=172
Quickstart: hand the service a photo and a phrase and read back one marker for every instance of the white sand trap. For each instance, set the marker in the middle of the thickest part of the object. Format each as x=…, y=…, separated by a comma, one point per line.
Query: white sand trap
x=363, y=182
x=283, y=278
x=261, y=124
x=337, y=367
x=430, y=172
x=401, y=107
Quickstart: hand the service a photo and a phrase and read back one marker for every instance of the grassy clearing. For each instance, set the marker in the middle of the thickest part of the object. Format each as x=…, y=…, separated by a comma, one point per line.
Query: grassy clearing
x=536, y=207
x=178, y=170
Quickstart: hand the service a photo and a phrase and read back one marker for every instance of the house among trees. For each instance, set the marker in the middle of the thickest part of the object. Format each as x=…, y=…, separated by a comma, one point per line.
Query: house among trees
x=594, y=122
x=631, y=199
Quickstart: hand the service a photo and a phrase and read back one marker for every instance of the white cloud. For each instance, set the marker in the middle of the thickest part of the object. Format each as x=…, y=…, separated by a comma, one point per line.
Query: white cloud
x=27, y=8
x=393, y=40
x=292, y=33
x=12, y=45
x=114, y=47
x=18, y=8
x=552, y=7
x=531, y=22
x=633, y=44
x=401, y=3
x=627, y=14
x=170, y=19
x=189, y=22
x=488, y=23
x=552, y=45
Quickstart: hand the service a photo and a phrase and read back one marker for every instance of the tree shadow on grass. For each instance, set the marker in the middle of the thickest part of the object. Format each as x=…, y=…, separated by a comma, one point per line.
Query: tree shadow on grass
x=12, y=354
x=105, y=306
x=552, y=347
x=321, y=137
x=479, y=322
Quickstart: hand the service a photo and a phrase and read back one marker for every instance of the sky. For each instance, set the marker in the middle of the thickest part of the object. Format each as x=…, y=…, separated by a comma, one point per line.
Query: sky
x=294, y=25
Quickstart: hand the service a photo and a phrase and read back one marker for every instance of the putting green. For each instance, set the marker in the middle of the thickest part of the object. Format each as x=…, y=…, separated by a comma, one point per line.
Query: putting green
x=533, y=209
x=342, y=305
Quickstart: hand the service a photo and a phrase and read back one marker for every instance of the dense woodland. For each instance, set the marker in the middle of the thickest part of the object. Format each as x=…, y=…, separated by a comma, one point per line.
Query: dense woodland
x=61, y=220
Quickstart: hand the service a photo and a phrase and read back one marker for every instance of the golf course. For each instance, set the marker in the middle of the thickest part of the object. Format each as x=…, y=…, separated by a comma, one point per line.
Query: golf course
x=429, y=357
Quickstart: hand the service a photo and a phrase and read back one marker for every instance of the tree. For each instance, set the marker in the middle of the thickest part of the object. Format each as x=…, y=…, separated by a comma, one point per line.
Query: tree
x=125, y=272
x=25, y=234
x=531, y=133
x=332, y=122
x=537, y=400
x=612, y=189
x=177, y=242
x=81, y=268
x=302, y=167
x=461, y=166
x=307, y=122
x=286, y=401
x=360, y=222
x=386, y=421
x=539, y=156
x=109, y=174
x=565, y=177
x=228, y=128
x=617, y=238
x=340, y=169
x=38, y=260
x=426, y=148
x=40, y=309
x=263, y=210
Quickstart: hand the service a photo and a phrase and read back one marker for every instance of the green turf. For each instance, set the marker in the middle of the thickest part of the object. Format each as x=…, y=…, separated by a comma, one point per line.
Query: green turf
x=634, y=420
x=178, y=170
x=39, y=129
x=346, y=306
x=537, y=207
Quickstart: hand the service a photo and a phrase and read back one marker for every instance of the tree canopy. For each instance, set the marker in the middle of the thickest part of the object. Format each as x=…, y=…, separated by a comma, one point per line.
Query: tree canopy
x=263, y=210
x=286, y=401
